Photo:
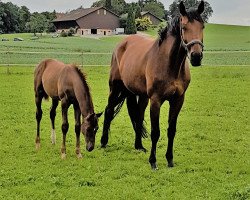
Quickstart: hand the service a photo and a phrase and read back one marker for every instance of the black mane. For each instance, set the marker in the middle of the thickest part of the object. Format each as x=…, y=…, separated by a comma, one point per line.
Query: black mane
x=173, y=26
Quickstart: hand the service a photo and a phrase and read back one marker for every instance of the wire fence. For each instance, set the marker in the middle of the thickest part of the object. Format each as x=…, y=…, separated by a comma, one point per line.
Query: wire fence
x=29, y=58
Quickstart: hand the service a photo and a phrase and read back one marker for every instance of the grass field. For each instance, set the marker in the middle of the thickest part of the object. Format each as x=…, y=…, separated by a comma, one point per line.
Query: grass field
x=211, y=146
x=219, y=41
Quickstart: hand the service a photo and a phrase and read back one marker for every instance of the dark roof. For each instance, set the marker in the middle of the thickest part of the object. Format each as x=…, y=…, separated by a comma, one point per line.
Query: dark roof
x=147, y=12
x=76, y=14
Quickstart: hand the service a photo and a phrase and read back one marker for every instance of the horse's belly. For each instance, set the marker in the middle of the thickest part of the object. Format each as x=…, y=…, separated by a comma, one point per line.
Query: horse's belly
x=135, y=84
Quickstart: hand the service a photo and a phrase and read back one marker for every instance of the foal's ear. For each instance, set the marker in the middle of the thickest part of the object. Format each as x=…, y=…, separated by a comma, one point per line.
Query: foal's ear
x=99, y=114
x=182, y=9
x=201, y=7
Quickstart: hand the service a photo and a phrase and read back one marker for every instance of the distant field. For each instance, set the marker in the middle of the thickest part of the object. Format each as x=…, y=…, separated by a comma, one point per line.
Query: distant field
x=218, y=39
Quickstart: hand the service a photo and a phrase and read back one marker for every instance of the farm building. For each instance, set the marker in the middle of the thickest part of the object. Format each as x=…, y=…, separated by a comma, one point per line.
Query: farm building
x=154, y=19
x=97, y=20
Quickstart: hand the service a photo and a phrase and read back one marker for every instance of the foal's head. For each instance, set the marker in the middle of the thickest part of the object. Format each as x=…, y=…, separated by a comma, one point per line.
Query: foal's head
x=192, y=25
x=89, y=129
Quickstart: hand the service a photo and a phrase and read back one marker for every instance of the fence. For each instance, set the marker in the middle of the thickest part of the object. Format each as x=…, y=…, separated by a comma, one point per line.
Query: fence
x=25, y=58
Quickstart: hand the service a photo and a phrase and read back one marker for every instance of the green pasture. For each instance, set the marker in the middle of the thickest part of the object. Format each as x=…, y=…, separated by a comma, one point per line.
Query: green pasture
x=211, y=149
x=218, y=40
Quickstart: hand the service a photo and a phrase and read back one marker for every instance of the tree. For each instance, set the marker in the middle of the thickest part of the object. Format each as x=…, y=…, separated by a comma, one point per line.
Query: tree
x=130, y=25
x=174, y=8
x=24, y=17
x=108, y=4
x=9, y=18
x=117, y=5
x=38, y=23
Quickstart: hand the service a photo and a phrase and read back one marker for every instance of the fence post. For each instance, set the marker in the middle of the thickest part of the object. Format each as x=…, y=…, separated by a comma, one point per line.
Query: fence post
x=8, y=60
x=82, y=58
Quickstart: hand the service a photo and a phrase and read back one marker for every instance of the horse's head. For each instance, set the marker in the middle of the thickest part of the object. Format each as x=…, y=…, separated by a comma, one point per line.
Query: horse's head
x=89, y=129
x=192, y=25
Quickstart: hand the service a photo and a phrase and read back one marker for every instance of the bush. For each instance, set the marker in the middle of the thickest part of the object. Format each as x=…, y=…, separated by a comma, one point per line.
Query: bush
x=71, y=32
x=63, y=34
x=142, y=24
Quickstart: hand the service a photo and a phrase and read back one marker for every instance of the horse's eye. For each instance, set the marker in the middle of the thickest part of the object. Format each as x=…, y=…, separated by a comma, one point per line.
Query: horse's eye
x=184, y=28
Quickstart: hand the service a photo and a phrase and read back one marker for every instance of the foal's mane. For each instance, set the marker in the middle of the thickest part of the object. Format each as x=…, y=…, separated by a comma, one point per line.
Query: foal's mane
x=173, y=26
x=83, y=78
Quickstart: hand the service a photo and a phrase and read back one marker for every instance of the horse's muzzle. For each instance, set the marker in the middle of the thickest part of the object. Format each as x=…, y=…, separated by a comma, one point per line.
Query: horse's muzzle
x=90, y=147
x=196, y=59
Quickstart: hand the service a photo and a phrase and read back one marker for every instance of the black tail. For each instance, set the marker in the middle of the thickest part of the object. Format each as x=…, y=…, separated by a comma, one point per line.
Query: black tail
x=135, y=116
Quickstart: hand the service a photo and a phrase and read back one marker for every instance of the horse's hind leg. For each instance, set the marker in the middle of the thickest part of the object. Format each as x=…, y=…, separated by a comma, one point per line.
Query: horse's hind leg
x=136, y=108
x=52, y=117
x=116, y=98
x=39, y=112
x=65, y=125
x=77, y=129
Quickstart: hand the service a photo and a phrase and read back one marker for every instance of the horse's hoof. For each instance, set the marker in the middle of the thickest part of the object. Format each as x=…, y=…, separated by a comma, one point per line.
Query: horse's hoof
x=63, y=156
x=141, y=149
x=38, y=146
x=79, y=156
x=103, y=145
x=171, y=164
x=154, y=166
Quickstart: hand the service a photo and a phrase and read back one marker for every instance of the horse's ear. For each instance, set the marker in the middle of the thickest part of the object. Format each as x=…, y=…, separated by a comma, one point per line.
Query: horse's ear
x=201, y=7
x=182, y=9
x=99, y=114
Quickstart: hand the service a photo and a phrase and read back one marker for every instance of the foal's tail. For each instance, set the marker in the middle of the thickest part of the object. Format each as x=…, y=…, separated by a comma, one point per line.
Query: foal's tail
x=38, y=73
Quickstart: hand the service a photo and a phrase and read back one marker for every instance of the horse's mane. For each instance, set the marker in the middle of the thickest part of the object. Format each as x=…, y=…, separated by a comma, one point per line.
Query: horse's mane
x=173, y=26
x=83, y=78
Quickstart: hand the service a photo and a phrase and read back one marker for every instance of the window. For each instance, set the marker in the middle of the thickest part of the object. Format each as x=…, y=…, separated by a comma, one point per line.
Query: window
x=98, y=12
x=105, y=12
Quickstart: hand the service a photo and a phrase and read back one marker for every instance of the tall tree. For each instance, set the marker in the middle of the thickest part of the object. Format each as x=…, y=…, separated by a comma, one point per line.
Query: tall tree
x=130, y=25
x=117, y=5
x=24, y=17
x=108, y=4
x=174, y=8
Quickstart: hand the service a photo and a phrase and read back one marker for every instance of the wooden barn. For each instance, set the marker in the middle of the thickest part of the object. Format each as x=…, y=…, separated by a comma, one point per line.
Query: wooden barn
x=97, y=20
x=154, y=19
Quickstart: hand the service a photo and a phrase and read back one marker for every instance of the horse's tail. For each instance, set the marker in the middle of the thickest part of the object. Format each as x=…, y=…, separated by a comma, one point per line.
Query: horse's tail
x=135, y=116
x=38, y=73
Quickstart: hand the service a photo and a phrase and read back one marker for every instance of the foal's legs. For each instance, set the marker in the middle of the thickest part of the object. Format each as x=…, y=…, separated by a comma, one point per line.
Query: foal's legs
x=136, y=112
x=52, y=117
x=155, y=105
x=116, y=98
x=39, y=112
x=77, y=129
x=175, y=107
x=65, y=125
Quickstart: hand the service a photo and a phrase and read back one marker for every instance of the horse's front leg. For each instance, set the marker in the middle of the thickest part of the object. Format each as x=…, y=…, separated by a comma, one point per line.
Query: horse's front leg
x=175, y=107
x=65, y=125
x=155, y=105
x=77, y=129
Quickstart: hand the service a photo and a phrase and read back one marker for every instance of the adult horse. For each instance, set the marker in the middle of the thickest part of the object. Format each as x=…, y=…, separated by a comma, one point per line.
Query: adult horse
x=143, y=69
x=66, y=83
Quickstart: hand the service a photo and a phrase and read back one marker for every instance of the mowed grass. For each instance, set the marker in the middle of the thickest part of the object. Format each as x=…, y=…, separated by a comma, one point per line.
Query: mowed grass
x=224, y=45
x=211, y=147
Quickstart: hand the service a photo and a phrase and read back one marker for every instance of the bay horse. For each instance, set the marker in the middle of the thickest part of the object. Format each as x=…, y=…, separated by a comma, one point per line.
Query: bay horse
x=143, y=68
x=66, y=83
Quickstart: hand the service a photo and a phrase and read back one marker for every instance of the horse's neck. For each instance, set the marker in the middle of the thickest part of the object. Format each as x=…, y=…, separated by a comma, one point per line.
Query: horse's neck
x=84, y=98
x=176, y=56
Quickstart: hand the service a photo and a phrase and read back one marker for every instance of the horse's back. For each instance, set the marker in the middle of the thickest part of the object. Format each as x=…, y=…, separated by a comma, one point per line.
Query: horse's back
x=129, y=62
x=50, y=71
